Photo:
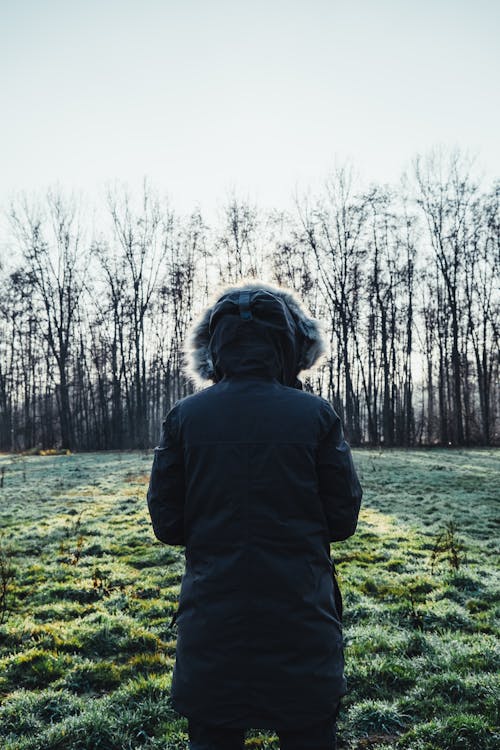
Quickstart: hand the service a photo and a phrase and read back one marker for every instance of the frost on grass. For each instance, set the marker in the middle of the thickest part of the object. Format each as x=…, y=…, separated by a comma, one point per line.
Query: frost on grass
x=87, y=650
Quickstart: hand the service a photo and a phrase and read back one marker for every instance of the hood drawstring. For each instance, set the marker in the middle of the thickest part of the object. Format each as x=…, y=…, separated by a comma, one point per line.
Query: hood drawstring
x=244, y=305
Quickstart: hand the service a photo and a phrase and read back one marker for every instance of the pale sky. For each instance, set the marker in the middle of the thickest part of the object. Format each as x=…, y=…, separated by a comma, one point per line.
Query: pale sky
x=261, y=96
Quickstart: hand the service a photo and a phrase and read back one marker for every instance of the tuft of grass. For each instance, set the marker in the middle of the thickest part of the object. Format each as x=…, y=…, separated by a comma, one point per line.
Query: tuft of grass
x=377, y=717
x=88, y=676
x=26, y=709
x=460, y=732
x=34, y=668
x=7, y=576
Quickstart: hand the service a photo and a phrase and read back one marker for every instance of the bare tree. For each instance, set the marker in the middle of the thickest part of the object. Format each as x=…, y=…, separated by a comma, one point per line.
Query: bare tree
x=446, y=193
x=50, y=237
x=333, y=232
x=236, y=245
x=144, y=237
x=481, y=274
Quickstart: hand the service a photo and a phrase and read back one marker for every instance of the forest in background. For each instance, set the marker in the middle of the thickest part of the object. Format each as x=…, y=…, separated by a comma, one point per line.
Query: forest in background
x=94, y=306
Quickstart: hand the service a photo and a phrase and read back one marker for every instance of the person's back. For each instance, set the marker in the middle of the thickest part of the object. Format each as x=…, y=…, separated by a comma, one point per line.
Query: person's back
x=253, y=476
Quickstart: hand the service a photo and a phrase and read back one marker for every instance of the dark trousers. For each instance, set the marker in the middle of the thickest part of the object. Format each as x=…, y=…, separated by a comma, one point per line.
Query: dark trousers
x=318, y=737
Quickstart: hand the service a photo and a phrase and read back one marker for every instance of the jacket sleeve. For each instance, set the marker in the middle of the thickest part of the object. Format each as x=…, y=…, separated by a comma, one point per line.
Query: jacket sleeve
x=339, y=487
x=166, y=485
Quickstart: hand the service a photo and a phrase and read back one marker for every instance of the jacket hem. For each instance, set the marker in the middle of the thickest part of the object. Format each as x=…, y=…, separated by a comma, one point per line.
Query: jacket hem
x=254, y=721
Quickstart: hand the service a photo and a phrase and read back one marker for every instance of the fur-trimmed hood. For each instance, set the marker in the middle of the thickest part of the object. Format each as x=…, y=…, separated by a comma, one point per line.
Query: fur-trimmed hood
x=219, y=341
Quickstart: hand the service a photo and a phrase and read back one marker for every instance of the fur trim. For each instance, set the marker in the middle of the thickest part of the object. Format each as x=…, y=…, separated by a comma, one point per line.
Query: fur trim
x=197, y=363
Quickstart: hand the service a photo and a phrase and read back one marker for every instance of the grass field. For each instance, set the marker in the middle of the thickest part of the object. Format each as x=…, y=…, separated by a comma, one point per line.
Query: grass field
x=86, y=650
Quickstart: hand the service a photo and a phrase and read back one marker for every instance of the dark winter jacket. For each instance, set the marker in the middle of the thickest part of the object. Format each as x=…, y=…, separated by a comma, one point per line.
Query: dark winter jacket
x=254, y=477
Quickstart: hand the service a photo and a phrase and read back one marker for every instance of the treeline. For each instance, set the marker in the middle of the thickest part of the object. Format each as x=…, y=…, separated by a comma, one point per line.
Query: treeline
x=93, y=319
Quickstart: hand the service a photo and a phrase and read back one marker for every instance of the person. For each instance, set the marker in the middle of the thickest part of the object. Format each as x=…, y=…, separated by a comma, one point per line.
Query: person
x=254, y=478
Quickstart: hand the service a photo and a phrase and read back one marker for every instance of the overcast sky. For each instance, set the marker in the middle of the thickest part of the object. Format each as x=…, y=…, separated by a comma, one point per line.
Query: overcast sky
x=207, y=96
